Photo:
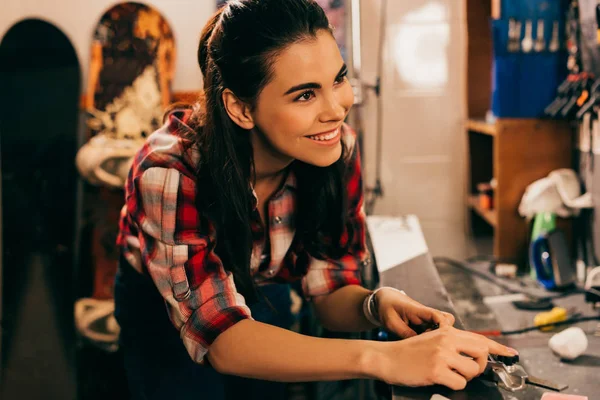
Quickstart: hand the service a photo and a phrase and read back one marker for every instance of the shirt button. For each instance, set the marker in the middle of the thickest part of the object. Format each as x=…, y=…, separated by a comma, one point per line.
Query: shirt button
x=278, y=220
x=270, y=272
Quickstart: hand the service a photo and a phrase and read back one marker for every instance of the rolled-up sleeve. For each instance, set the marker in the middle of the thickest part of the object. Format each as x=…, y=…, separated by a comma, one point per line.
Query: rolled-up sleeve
x=326, y=276
x=177, y=247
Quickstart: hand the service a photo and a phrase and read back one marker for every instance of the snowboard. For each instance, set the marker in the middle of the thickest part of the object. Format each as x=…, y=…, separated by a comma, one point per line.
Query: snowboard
x=131, y=68
x=39, y=96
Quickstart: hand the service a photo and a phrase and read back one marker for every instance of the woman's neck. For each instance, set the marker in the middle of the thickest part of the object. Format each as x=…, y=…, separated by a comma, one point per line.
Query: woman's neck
x=269, y=164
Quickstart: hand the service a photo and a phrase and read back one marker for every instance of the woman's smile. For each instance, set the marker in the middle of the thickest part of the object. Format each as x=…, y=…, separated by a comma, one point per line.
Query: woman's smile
x=328, y=138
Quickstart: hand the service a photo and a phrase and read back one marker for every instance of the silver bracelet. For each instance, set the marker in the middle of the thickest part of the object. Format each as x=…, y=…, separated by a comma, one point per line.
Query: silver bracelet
x=370, y=306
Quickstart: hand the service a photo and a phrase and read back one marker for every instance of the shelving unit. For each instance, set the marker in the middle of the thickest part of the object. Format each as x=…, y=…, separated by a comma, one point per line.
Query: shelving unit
x=490, y=216
x=480, y=126
x=515, y=152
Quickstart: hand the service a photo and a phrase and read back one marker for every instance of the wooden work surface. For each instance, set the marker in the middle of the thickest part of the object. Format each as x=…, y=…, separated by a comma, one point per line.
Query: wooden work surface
x=420, y=279
x=416, y=273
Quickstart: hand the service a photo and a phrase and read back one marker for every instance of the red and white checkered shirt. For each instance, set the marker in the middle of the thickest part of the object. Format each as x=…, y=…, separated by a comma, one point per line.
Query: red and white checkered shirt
x=164, y=234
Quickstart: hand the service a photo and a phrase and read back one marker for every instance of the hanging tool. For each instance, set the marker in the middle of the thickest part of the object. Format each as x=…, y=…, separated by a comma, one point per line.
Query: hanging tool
x=514, y=35
x=572, y=33
x=540, y=42
x=554, y=45
x=527, y=43
x=578, y=96
x=594, y=96
x=563, y=95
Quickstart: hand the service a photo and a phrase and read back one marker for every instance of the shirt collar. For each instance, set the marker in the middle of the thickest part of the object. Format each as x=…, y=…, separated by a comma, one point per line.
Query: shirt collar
x=289, y=183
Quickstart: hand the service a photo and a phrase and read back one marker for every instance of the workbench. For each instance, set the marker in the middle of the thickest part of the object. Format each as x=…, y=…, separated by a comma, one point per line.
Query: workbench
x=404, y=262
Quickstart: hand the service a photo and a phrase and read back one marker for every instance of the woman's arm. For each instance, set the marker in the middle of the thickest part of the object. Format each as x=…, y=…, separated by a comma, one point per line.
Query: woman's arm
x=342, y=310
x=261, y=351
x=256, y=350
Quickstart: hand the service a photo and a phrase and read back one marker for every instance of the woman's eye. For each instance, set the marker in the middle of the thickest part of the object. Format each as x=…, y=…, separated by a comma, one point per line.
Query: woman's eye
x=305, y=96
x=341, y=78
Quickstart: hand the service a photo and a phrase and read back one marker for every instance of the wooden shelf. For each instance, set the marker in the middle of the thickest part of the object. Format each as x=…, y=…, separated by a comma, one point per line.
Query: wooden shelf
x=490, y=216
x=514, y=151
x=480, y=126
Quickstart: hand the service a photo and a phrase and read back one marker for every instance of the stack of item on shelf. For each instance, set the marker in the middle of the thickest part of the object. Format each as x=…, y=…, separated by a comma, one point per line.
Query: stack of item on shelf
x=485, y=195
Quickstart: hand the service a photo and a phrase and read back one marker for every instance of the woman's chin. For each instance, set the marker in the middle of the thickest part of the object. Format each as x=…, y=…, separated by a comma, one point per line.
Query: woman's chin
x=322, y=158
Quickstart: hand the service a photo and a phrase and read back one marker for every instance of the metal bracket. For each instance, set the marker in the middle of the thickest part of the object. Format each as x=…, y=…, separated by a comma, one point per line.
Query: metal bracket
x=509, y=376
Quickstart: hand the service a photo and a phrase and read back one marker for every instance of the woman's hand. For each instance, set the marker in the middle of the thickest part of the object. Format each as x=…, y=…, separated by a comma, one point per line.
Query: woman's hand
x=398, y=313
x=445, y=356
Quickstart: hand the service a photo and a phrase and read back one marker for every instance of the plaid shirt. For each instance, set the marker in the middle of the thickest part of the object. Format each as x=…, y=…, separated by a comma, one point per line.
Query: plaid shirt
x=164, y=234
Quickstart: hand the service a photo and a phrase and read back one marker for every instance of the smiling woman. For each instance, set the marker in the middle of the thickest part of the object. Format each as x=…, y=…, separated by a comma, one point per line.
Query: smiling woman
x=313, y=97
x=254, y=187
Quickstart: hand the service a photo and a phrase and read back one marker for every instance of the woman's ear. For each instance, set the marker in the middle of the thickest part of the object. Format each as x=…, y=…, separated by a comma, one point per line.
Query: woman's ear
x=238, y=111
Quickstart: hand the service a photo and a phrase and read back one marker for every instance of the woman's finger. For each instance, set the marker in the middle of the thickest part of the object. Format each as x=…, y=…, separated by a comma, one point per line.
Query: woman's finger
x=472, y=347
x=415, y=320
x=431, y=315
x=451, y=379
x=449, y=317
x=394, y=323
x=467, y=367
x=490, y=346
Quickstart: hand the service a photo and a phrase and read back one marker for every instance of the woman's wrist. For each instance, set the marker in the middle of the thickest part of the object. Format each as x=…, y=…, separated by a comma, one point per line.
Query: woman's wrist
x=371, y=359
x=370, y=309
x=371, y=305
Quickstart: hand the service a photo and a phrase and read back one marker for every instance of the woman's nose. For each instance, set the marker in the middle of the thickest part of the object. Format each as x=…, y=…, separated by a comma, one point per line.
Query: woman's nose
x=333, y=110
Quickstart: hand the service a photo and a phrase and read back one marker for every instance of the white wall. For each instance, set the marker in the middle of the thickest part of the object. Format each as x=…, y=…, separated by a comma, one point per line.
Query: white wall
x=78, y=18
x=423, y=139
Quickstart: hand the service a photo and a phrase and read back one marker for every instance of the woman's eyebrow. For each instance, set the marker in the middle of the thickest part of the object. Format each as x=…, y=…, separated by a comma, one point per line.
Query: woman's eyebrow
x=312, y=85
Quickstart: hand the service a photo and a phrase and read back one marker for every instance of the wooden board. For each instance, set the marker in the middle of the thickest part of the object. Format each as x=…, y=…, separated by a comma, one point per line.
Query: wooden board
x=39, y=90
x=480, y=126
x=479, y=58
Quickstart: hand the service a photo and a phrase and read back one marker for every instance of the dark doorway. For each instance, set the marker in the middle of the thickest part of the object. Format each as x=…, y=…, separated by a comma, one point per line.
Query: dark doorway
x=39, y=92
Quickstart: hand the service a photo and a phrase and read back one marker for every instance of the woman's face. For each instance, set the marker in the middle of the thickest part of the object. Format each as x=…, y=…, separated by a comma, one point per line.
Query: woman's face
x=299, y=113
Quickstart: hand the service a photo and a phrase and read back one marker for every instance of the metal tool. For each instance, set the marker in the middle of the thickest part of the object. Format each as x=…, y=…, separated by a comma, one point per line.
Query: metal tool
x=527, y=43
x=506, y=373
x=573, y=32
x=554, y=45
x=514, y=35
x=540, y=42
x=559, y=387
x=591, y=102
x=511, y=376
